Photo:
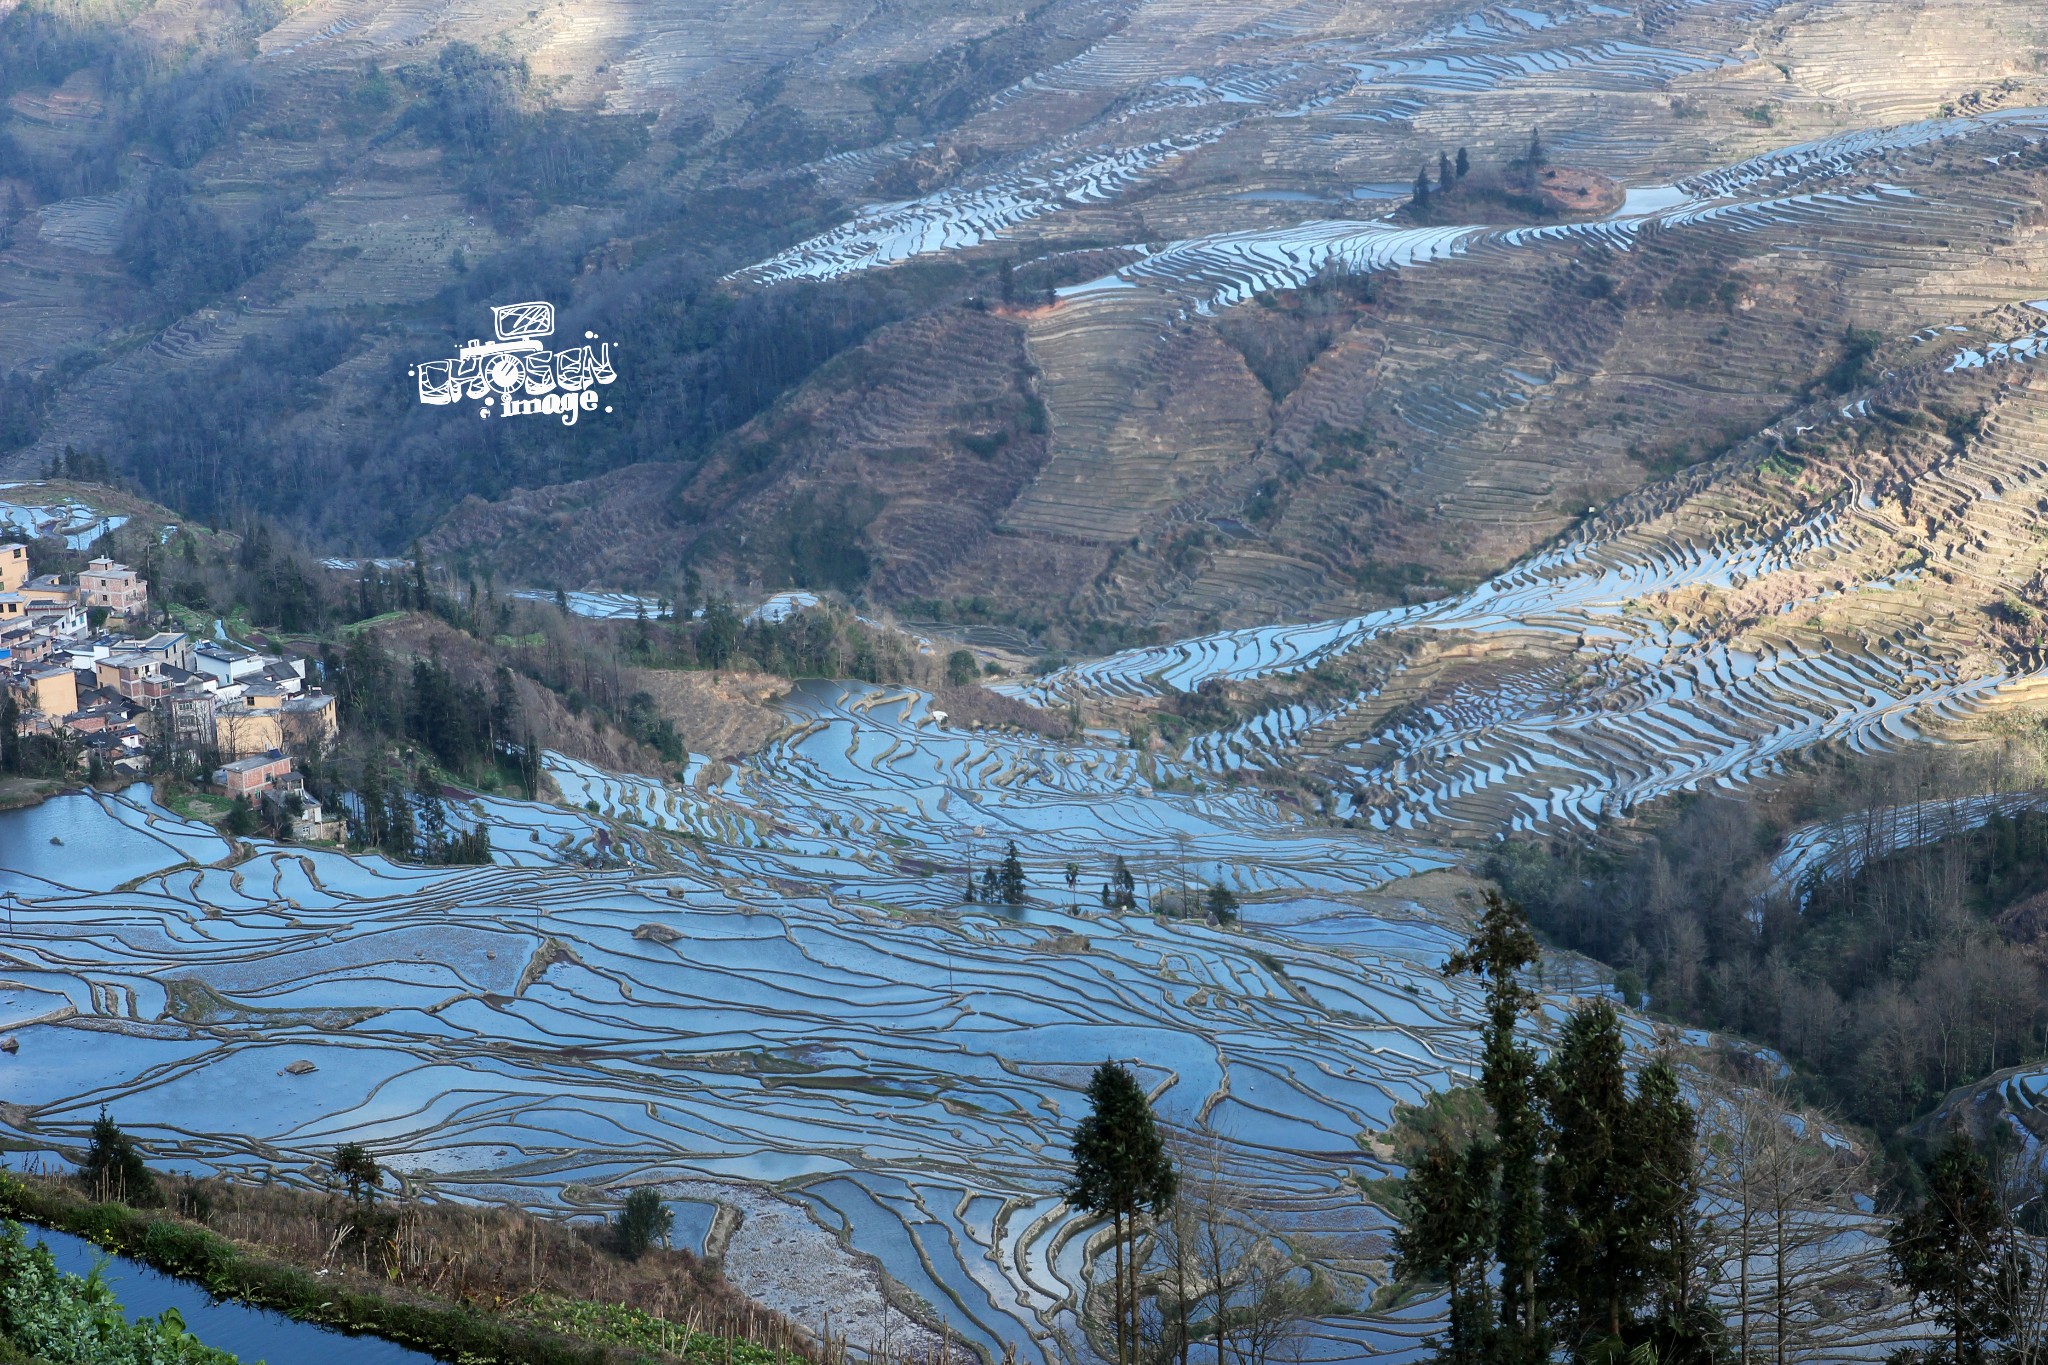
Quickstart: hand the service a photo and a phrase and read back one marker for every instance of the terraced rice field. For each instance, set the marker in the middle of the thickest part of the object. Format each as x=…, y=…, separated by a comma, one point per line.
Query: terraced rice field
x=758, y=985
x=1689, y=643
x=737, y=1006
x=76, y=524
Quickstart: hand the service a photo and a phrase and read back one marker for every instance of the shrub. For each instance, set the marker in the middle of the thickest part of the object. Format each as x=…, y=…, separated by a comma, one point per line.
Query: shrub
x=113, y=1169
x=641, y=1223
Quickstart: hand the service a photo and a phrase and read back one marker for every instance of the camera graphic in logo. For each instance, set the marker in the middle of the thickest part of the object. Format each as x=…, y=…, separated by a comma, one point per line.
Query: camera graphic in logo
x=516, y=375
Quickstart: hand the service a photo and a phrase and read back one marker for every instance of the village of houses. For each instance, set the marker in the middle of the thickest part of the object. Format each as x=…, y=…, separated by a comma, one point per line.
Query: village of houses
x=71, y=662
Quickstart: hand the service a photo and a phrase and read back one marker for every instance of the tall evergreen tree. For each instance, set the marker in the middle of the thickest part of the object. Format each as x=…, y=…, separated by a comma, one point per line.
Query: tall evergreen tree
x=1443, y=171
x=1123, y=887
x=10, y=733
x=1956, y=1254
x=1446, y=1237
x=1499, y=951
x=1595, y=1266
x=1685, y=1328
x=1419, y=197
x=1121, y=1169
x=369, y=822
x=112, y=1168
x=1463, y=165
x=1011, y=879
x=433, y=815
x=401, y=835
x=355, y=1167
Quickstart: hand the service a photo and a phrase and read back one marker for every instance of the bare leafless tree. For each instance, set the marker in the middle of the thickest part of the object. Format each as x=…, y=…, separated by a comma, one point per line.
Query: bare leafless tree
x=1223, y=1283
x=1783, y=1193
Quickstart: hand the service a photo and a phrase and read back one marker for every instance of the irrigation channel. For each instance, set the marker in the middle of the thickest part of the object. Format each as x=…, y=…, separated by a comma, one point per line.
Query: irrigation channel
x=251, y=1334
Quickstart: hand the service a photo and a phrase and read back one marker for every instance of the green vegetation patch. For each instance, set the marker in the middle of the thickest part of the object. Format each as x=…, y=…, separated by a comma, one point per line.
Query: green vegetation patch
x=611, y=1324
x=76, y=1320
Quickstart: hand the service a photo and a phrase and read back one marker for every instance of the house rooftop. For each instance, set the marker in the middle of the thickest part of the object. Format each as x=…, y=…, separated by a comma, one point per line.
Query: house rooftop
x=252, y=763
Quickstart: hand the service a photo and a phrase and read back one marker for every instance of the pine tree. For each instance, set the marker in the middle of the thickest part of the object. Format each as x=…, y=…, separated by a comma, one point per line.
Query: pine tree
x=354, y=1166
x=1956, y=1253
x=433, y=816
x=1446, y=1237
x=1594, y=1270
x=112, y=1168
x=369, y=824
x=1443, y=171
x=1685, y=1328
x=1123, y=887
x=1011, y=881
x=1420, y=196
x=1221, y=903
x=643, y=1221
x=1534, y=158
x=1463, y=165
x=401, y=837
x=1121, y=1169
x=1498, y=952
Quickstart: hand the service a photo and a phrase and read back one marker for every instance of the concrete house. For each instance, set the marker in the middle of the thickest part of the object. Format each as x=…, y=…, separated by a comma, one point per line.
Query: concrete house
x=187, y=718
x=245, y=731
x=310, y=723
x=116, y=587
x=250, y=777
x=224, y=662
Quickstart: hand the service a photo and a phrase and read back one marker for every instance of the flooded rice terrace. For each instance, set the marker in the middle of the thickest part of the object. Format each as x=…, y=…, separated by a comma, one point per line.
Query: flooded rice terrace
x=758, y=987
x=767, y=997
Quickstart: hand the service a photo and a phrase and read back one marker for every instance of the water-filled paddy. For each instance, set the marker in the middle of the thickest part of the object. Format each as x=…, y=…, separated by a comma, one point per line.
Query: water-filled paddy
x=250, y=1334
x=768, y=994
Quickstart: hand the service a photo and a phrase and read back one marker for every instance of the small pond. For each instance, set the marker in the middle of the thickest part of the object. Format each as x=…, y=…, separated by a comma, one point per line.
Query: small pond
x=252, y=1334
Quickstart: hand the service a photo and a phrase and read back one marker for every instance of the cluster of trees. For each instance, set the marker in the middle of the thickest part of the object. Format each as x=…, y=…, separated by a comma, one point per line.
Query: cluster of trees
x=26, y=755
x=1512, y=187
x=1588, y=1217
x=180, y=251
x=463, y=726
x=1448, y=173
x=1001, y=884
x=411, y=822
x=721, y=359
x=165, y=111
x=1573, y=1224
x=174, y=105
x=509, y=158
x=817, y=643
x=1889, y=979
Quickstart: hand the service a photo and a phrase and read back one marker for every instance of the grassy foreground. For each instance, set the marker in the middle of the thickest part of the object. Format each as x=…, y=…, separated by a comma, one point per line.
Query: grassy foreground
x=472, y=1286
